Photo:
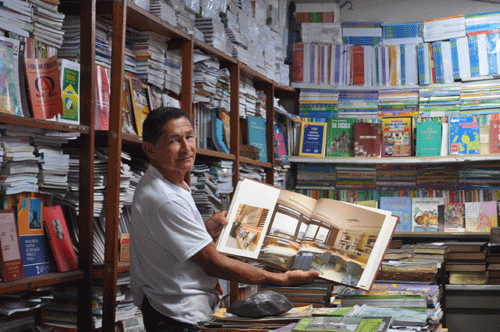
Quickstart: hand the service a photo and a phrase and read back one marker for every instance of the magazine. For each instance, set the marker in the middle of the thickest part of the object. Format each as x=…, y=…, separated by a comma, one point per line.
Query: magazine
x=345, y=242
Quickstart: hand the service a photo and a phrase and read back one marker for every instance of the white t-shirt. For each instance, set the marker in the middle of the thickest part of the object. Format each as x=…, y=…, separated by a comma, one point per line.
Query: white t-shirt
x=166, y=230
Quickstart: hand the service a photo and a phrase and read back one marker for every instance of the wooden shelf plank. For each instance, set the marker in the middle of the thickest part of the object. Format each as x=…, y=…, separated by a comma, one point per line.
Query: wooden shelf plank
x=47, y=279
x=214, y=154
x=397, y=160
x=44, y=124
x=255, y=162
x=98, y=273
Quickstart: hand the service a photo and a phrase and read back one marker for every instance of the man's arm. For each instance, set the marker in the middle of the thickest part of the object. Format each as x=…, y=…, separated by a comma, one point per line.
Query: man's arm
x=220, y=266
x=216, y=223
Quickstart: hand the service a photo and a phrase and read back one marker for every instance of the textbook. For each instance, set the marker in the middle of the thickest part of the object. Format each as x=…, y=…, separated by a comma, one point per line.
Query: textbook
x=345, y=242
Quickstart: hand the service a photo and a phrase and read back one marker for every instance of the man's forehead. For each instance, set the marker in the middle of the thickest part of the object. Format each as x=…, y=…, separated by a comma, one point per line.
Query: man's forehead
x=177, y=127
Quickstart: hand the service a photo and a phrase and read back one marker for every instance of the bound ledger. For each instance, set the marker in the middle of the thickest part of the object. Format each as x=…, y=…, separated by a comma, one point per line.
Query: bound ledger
x=345, y=242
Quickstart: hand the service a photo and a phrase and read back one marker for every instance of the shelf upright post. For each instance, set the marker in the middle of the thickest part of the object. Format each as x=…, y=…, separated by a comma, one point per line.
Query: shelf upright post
x=234, y=72
x=114, y=164
x=187, y=77
x=87, y=146
x=270, y=131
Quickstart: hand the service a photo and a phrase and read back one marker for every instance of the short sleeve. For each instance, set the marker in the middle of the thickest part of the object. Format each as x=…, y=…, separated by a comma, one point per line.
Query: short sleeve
x=179, y=231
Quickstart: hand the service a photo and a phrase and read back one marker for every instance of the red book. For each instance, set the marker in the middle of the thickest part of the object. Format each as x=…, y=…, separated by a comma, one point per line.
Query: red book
x=367, y=139
x=59, y=239
x=495, y=136
x=298, y=63
x=357, y=65
x=10, y=250
x=102, y=99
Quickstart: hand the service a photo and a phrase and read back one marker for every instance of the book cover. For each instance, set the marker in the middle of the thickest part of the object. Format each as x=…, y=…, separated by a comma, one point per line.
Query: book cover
x=401, y=207
x=425, y=215
x=226, y=126
x=128, y=121
x=256, y=135
x=279, y=144
x=339, y=137
x=451, y=217
x=494, y=136
x=44, y=87
x=12, y=50
x=10, y=250
x=138, y=96
x=480, y=216
x=343, y=324
x=35, y=250
x=217, y=135
x=124, y=247
x=464, y=135
x=102, y=98
x=59, y=239
x=345, y=242
x=397, y=138
x=312, y=139
x=70, y=86
x=367, y=139
x=428, y=138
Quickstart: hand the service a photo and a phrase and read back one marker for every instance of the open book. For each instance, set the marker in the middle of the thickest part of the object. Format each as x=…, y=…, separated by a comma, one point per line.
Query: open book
x=345, y=242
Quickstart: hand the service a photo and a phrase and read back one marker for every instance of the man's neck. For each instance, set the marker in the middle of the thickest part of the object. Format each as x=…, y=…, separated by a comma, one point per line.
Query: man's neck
x=176, y=178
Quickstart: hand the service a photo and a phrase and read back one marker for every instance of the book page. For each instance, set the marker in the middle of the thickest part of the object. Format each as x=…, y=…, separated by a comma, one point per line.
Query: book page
x=346, y=242
x=287, y=228
x=249, y=216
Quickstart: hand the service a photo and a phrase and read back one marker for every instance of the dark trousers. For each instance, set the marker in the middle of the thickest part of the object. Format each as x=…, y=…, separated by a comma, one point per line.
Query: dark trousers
x=157, y=322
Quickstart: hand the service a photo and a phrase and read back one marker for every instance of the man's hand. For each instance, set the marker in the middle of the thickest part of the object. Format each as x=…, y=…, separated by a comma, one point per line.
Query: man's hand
x=215, y=223
x=299, y=277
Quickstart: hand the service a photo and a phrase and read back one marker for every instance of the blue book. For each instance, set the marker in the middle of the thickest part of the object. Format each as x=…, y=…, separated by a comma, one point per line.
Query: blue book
x=492, y=53
x=402, y=53
x=256, y=131
x=454, y=59
x=218, y=135
x=438, y=62
x=422, y=67
x=464, y=135
x=402, y=30
x=474, y=56
x=401, y=207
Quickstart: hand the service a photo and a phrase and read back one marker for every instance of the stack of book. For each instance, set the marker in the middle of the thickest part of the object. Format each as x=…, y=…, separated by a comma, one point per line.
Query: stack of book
x=173, y=66
x=439, y=101
x=16, y=16
x=103, y=31
x=149, y=50
x=205, y=76
x=466, y=262
x=320, y=104
x=317, y=294
x=47, y=23
x=70, y=48
x=316, y=176
x=213, y=30
x=162, y=10
x=493, y=259
x=358, y=104
x=203, y=188
x=398, y=102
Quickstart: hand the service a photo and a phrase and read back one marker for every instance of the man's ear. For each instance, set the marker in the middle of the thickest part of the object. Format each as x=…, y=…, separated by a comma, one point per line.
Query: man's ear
x=148, y=149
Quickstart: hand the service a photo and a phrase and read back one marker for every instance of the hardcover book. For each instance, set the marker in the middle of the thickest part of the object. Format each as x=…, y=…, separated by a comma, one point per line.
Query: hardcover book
x=345, y=242
x=464, y=135
x=102, y=98
x=425, y=215
x=12, y=48
x=313, y=139
x=44, y=87
x=452, y=217
x=256, y=131
x=367, y=139
x=70, y=86
x=59, y=239
x=428, y=138
x=10, y=252
x=139, y=98
x=480, y=216
x=279, y=144
x=397, y=138
x=494, y=136
x=339, y=137
x=401, y=207
x=35, y=250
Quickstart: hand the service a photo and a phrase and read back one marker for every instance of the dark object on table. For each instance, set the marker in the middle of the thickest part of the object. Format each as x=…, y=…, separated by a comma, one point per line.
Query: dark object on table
x=262, y=304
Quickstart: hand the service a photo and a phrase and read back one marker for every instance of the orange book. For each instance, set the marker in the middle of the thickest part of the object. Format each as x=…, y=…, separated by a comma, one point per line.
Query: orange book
x=44, y=87
x=357, y=65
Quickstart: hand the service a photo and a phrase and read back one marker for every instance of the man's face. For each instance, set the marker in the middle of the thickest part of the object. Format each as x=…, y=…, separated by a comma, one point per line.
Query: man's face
x=176, y=149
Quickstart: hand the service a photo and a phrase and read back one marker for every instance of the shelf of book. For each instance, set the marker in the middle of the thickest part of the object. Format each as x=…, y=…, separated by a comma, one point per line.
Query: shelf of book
x=442, y=235
x=31, y=283
x=396, y=160
x=43, y=124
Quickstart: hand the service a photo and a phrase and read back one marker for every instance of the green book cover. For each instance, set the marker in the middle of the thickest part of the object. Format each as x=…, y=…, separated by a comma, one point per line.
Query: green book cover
x=339, y=137
x=428, y=138
x=344, y=324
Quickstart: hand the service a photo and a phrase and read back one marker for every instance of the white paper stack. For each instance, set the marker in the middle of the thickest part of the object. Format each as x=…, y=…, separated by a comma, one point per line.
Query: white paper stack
x=149, y=50
x=221, y=98
x=173, y=73
x=213, y=30
x=205, y=75
x=321, y=33
x=162, y=10
x=185, y=13
x=444, y=28
x=103, y=35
